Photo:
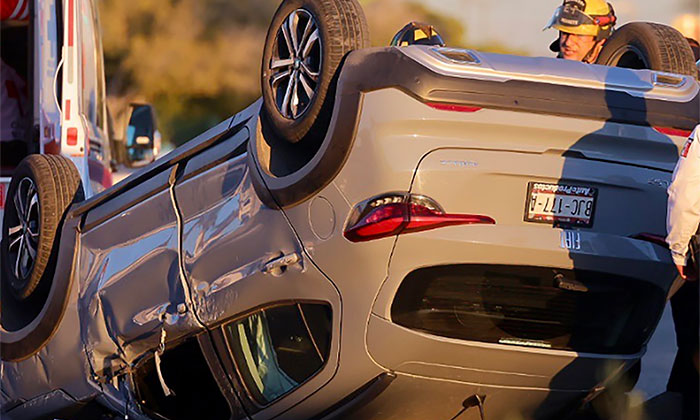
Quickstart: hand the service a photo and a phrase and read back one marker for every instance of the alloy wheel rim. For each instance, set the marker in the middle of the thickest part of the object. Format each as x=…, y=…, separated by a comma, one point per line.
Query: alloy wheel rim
x=23, y=232
x=295, y=66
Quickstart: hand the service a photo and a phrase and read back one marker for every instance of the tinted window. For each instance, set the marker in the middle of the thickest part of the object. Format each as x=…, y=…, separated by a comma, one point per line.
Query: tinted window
x=277, y=349
x=140, y=124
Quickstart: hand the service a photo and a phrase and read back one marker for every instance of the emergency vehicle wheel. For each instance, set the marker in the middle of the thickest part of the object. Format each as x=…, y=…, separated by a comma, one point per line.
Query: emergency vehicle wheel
x=42, y=188
x=305, y=46
x=653, y=46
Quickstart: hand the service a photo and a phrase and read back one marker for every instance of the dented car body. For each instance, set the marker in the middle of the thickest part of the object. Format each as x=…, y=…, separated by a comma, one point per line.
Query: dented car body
x=235, y=279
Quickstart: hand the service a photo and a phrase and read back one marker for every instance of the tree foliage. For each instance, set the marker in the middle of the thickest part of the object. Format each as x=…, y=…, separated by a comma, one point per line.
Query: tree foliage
x=198, y=61
x=386, y=17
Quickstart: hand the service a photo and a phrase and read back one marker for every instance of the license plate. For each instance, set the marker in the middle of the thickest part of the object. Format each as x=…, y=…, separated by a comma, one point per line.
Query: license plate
x=571, y=205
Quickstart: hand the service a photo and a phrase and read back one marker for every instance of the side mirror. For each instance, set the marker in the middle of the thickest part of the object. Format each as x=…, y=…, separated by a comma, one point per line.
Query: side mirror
x=142, y=139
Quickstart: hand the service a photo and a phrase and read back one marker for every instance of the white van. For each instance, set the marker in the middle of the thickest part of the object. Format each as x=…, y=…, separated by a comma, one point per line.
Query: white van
x=55, y=46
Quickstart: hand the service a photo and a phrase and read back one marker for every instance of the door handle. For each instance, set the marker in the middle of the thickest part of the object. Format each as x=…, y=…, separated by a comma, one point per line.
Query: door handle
x=279, y=265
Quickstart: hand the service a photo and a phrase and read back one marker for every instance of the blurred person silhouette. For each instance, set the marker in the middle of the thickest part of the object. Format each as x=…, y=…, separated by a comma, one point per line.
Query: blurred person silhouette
x=683, y=220
x=584, y=26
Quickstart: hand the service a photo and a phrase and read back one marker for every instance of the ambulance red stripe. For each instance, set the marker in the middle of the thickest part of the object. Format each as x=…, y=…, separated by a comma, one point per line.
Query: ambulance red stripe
x=71, y=12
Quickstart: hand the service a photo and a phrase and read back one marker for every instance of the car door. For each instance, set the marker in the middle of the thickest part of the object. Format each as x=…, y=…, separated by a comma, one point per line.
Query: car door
x=251, y=282
x=93, y=109
x=47, y=27
x=72, y=141
x=131, y=291
x=83, y=94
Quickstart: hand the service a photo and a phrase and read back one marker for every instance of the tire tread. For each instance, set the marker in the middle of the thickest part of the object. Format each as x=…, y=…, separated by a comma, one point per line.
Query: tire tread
x=665, y=48
x=58, y=184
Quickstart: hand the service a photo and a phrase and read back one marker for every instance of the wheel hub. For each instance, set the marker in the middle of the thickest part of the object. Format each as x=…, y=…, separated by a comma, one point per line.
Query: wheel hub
x=295, y=65
x=23, y=231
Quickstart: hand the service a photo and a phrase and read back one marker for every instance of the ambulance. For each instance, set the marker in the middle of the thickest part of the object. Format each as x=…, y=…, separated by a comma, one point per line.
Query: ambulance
x=53, y=94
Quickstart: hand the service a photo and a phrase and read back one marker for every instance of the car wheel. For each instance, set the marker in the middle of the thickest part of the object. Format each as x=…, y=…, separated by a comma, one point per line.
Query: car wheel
x=42, y=188
x=305, y=46
x=653, y=46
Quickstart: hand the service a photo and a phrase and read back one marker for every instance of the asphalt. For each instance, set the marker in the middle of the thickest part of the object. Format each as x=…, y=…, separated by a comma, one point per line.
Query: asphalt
x=656, y=367
x=657, y=362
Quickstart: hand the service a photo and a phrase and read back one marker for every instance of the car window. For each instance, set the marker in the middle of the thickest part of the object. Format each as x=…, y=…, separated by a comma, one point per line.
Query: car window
x=277, y=349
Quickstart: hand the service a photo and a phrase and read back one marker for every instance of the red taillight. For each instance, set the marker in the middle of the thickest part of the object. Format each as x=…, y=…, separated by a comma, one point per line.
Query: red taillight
x=71, y=13
x=380, y=222
x=422, y=218
x=72, y=136
x=395, y=214
x=673, y=131
x=453, y=107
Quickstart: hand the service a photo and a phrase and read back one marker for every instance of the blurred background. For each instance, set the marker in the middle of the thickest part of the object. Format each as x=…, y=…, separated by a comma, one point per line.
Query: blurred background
x=198, y=61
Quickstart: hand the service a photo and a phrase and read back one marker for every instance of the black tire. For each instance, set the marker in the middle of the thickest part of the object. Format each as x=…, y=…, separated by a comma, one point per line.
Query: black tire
x=653, y=46
x=45, y=185
x=342, y=28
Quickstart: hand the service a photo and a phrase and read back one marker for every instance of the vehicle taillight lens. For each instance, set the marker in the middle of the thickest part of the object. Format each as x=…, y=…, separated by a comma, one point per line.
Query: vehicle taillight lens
x=397, y=213
x=72, y=136
x=669, y=131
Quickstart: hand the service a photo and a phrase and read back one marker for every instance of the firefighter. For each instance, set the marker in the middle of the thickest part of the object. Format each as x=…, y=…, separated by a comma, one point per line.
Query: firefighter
x=682, y=223
x=584, y=26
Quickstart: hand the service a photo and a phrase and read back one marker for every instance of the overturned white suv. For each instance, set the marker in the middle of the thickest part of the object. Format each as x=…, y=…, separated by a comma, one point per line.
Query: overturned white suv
x=416, y=232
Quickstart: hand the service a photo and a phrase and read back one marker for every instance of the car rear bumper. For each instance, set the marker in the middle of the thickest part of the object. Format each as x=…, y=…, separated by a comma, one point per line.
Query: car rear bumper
x=529, y=381
x=436, y=375
x=525, y=245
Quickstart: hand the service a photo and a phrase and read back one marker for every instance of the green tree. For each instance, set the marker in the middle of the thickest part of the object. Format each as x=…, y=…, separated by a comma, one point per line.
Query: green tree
x=197, y=61
x=386, y=17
